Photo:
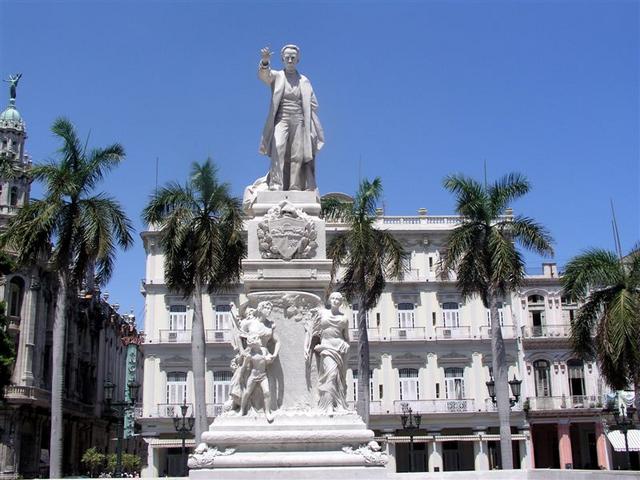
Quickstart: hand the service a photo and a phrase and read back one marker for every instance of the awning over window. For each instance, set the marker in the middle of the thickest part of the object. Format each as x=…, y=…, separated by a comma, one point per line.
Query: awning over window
x=617, y=440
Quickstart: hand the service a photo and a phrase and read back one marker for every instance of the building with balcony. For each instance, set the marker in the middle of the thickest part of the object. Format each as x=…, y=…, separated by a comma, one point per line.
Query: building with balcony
x=94, y=351
x=430, y=350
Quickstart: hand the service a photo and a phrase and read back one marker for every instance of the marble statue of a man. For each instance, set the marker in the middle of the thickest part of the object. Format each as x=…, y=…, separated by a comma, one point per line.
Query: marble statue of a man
x=292, y=134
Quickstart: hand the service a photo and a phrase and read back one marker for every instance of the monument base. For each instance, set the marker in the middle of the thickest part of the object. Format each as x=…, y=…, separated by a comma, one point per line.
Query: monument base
x=295, y=445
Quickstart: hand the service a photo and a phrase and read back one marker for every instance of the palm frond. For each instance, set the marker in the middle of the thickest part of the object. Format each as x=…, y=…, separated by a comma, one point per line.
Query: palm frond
x=531, y=235
x=471, y=199
x=99, y=162
x=505, y=190
x=594, y=268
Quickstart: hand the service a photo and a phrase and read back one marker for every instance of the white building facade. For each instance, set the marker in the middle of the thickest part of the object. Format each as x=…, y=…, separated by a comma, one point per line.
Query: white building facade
x=430, y=350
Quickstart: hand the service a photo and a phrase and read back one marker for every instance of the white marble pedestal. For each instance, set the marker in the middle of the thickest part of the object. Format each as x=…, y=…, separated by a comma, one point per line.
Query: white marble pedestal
x=286, y=265
x=297, y=445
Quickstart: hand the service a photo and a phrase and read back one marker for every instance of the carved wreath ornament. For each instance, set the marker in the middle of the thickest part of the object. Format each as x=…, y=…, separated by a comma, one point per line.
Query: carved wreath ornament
x=287, y=232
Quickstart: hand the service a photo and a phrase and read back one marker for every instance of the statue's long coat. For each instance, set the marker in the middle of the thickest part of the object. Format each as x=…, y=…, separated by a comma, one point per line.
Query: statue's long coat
x=313, y=133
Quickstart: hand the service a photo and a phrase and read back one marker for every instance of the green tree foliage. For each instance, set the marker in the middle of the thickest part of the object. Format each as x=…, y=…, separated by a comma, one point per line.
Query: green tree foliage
x=130, y=463
x=201, y=237
x=78, y=231
x=367, y=255
x=94, y=461
x=608, y=289
x=483, y=252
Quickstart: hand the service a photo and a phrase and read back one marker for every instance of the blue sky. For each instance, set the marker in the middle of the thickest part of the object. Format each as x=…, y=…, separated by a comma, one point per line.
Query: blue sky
x=408, y=91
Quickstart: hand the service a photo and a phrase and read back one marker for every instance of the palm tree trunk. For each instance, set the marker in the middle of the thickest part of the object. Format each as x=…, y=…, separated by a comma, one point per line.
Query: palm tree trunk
x=57, y=376
x=363, y=363
x=500, y=374
x=198, y=346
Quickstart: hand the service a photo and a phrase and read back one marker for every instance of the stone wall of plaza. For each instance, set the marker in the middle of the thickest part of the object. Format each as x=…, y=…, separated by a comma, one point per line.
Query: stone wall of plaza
x=430, y=349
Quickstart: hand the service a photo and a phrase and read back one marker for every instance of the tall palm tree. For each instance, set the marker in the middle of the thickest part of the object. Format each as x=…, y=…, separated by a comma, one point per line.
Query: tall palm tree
x=201, y=236
x=368, y=256
x=78, y=231
x=482, y=251
x=608, y=288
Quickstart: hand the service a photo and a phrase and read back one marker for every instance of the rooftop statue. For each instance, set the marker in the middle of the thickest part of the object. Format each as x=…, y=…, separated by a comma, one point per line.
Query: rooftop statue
x=13, y=85
x=292, y=134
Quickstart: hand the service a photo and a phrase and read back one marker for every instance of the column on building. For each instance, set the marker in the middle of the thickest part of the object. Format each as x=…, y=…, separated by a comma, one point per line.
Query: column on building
x=564, y=445
x=601, y=447
x=526, y=449
x=481, y=451
x=153, y=462
x=435, y=453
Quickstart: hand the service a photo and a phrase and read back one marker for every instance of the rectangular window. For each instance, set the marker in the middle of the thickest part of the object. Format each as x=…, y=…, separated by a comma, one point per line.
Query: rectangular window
x=454, y=383
x=354, y=316
x=355, y=385
x=223, y=313
x=500, y=315
x=450, y=315
x=176, y=387
x=178, y=317
x=406, y=315
x=409, y=386
x=221, y=386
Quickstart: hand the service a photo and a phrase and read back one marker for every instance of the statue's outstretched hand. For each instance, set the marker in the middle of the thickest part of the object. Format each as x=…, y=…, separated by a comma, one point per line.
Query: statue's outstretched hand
x=266, y=53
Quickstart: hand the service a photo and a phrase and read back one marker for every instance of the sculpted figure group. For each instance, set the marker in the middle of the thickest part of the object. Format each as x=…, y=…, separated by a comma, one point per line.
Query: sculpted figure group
x=257, y=346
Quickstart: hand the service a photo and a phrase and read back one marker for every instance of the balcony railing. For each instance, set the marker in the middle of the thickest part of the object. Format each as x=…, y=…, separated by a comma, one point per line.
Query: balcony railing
x=22, y=392
x=184, y=336
x=170, y=410
x=372, y=333
x=452, y=333
x=508, y=331
x=175, y=336
x=547, y=331
x=408, y=333
x=375, y=407
x=411, y=275
x=218, y=336
x=214, y=409
x=440, y=405
x=564, y=402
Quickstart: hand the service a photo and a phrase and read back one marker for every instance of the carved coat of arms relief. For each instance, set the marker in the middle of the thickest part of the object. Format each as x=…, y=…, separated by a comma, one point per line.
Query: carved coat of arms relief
x=287, y=232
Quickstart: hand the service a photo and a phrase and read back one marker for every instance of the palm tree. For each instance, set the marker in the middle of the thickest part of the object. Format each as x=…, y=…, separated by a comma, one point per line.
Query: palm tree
x=608, y=288
x=482, y=251
x=368, y=255
x=201, y=235
x=77, y=231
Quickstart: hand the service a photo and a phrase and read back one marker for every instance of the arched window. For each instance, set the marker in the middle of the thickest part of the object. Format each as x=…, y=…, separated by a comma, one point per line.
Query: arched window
x=542, y=375
x=535, y=306
x=576, y=377
x=454, y=383
x=409, y=385
x=16, y=295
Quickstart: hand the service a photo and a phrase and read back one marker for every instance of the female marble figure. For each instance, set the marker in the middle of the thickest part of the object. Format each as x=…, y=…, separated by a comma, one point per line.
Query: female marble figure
x=328, y=341
x=255, y=324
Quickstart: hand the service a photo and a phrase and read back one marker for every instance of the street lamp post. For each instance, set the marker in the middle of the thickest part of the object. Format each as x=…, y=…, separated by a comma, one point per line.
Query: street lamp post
x=623, y=417
x=515, y=390
x=183, y=426
x=119, y=408
x=408, y=426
